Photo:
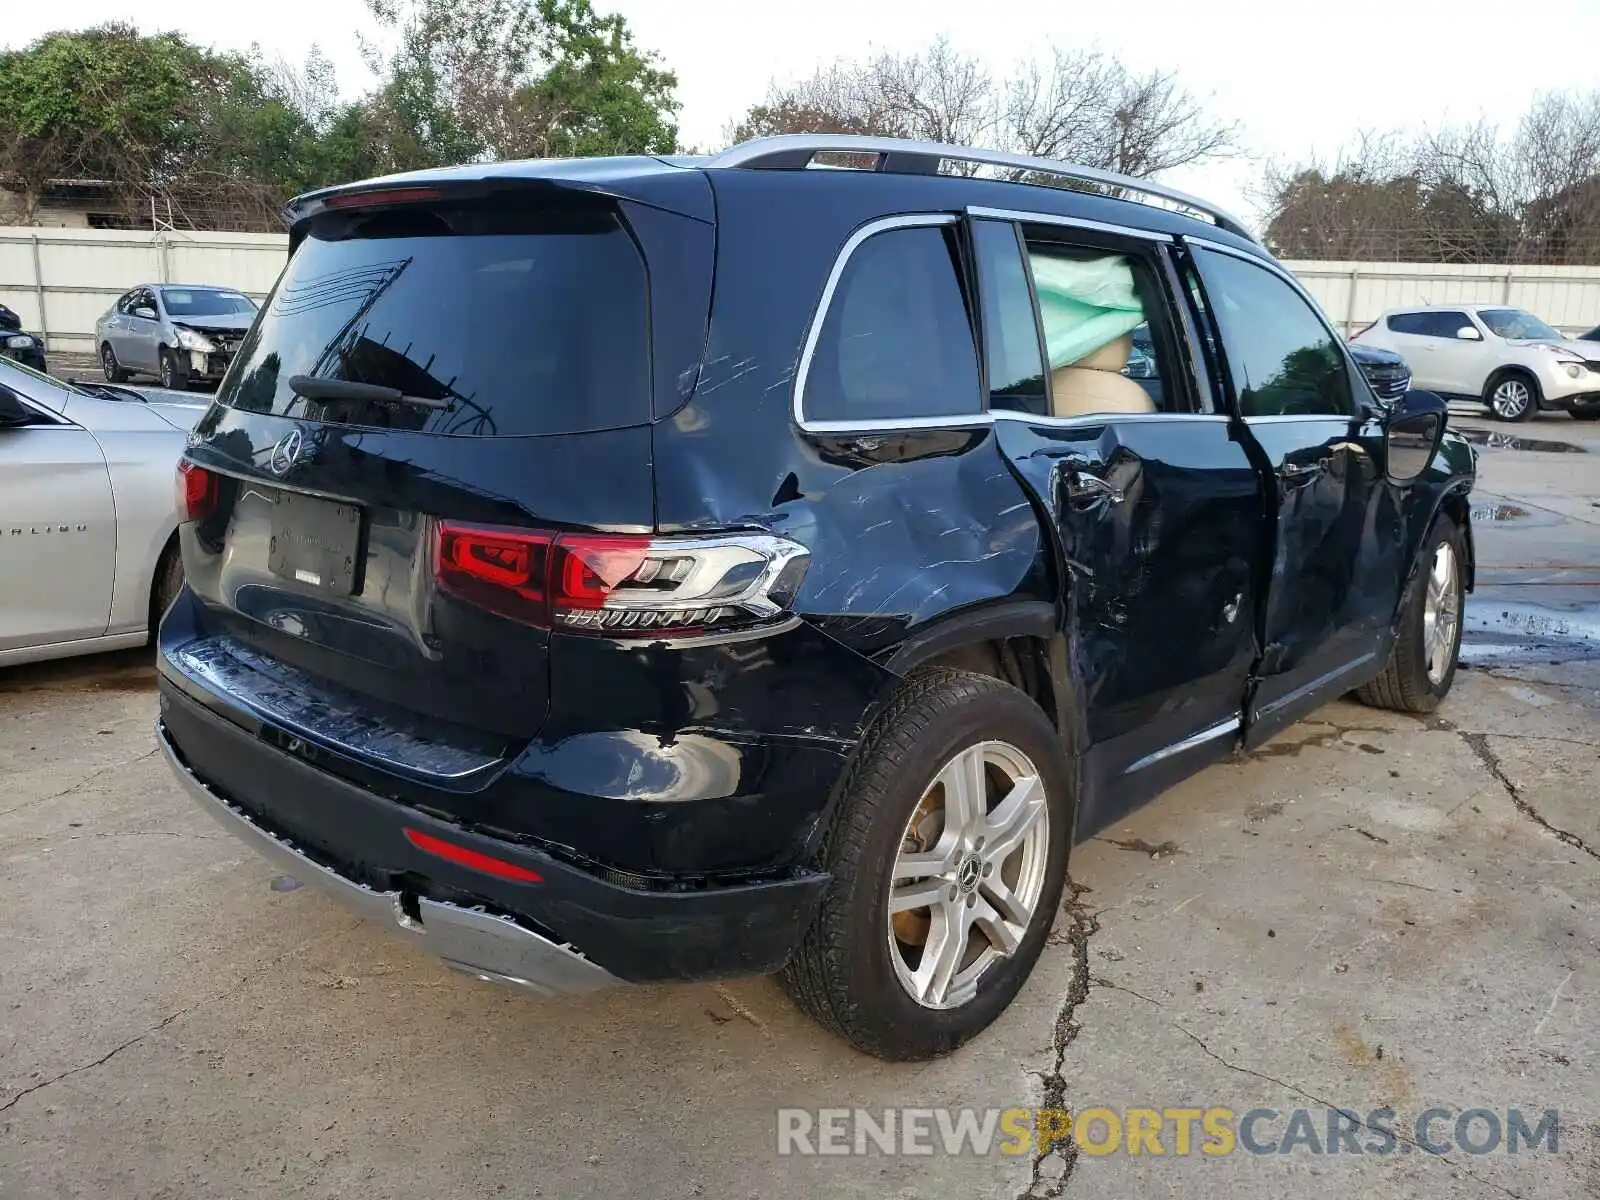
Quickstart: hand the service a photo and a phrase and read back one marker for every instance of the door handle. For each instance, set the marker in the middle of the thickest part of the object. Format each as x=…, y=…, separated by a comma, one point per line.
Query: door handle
x=1302, y=473
x=1091, y=489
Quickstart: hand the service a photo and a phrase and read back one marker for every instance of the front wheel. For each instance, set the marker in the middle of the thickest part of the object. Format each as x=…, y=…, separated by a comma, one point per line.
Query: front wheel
x=1512, y=397
x=173, y=376
x=1586, y=414
x=948, y=855
x=1427, y=645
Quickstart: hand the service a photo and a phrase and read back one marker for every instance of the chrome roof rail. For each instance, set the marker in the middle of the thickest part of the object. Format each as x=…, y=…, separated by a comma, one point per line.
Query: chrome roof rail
x=793, y=151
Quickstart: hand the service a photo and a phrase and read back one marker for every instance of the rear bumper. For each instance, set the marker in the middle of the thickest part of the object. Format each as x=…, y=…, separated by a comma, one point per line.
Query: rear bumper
x=473, y=940
x=571, y=926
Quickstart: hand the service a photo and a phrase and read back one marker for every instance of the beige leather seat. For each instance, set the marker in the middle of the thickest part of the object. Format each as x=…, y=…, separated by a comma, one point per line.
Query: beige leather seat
x=1094, y=384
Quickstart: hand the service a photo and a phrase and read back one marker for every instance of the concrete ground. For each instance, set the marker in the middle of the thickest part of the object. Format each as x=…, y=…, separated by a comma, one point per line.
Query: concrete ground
x=1373, y=911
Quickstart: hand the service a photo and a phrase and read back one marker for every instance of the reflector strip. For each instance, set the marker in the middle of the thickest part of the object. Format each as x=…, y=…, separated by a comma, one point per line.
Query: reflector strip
x=471, y=858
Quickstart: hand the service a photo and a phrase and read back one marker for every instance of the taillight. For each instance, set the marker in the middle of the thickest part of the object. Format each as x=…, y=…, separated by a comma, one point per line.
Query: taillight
x=620, y=585
x=197, y=491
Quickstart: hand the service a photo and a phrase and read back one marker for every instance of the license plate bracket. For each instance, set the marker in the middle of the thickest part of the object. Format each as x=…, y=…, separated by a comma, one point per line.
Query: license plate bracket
x=315, y=542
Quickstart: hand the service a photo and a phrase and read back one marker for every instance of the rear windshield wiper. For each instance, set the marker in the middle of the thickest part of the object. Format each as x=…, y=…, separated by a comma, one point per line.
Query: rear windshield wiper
x=314, y=388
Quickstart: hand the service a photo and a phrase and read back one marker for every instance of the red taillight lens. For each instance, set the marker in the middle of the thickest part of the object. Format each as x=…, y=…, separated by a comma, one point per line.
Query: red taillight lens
x=502, y=570
x=587, y=569
x=620, y=585
x=197, y=492
x=478, y=861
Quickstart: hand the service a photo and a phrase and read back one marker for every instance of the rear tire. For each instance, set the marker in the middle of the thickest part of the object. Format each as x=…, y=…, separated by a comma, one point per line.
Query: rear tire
x=1585, y=414
x=1512, y=396
x=166, y=586
x=1427, y=647
x=108, y=364
x=852, y=972
x=174, y=376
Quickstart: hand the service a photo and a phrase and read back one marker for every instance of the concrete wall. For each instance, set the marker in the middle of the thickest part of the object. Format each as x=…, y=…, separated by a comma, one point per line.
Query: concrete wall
x=60, y=280
x=1354, y=294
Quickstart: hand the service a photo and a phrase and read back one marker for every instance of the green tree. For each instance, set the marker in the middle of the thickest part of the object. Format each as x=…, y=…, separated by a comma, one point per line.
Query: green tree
x=105, y=103
x=477, y=79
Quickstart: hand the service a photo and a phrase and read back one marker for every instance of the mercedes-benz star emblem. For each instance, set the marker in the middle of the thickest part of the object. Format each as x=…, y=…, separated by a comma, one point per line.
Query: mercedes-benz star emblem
x=286, y=453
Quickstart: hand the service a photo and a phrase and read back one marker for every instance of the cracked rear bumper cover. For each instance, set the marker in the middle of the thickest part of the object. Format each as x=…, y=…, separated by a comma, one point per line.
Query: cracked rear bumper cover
x=472, y=940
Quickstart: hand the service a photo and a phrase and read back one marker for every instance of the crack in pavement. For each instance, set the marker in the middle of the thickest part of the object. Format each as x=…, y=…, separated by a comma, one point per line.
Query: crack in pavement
x=87, y=779
x=1297, y=1090
x=244, y=981
x=1318, y=1100
x=1084, y=926
x=1478, y=743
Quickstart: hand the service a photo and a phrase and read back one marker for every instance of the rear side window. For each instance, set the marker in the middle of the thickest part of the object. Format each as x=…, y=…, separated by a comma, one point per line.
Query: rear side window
x=896, y=342
x=522, y=324
x=1429, y=324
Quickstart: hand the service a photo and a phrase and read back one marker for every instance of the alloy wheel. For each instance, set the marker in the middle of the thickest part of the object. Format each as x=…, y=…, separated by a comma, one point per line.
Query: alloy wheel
x=1441, y=613
x=1510, y=399
x=969, y=873
x=169, y=372
x=108, y=364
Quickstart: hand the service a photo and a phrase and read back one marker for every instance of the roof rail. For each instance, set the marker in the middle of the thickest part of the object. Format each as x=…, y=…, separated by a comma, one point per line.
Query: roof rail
x=793, y=151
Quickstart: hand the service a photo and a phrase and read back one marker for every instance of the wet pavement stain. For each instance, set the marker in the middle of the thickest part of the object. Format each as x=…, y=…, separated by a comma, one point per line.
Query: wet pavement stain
x=1332, y=736
x=1491, y=440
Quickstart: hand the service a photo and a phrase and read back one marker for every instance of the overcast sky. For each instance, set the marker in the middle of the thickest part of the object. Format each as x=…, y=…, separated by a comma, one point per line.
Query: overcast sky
x=1298, y=78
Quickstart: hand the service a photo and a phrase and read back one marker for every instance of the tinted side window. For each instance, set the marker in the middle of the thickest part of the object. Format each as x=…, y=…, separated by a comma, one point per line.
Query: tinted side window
x=1444, y=324
x=125, y=303
x=1010, y=329
x=897, y=339
x=1408, y=323
x=1281, y=357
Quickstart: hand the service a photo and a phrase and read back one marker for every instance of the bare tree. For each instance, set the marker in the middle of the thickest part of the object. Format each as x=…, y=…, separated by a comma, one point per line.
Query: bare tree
x=1464, y=193
x=1086, y=107
x=1080, y=105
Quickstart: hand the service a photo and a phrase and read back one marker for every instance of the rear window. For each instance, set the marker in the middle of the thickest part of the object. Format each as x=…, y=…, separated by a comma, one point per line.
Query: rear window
x=522, y=324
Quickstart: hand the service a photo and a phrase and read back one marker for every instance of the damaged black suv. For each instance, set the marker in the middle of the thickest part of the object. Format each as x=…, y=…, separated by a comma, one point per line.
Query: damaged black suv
x=641, y=569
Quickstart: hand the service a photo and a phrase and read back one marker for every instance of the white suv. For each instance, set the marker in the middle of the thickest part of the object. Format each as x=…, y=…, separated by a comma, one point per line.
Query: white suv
x=1509, y=359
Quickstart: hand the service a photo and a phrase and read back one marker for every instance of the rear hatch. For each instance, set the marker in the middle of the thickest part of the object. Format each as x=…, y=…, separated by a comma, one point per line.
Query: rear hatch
x=441, y=384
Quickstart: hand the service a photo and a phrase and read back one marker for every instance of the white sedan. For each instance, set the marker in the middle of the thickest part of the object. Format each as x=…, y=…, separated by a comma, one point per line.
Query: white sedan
x=88, y=552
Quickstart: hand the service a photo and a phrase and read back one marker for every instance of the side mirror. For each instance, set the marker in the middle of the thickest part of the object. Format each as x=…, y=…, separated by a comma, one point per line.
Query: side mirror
x=13, y=412
x=149, y=314
x=1468, y=334
x=1412, y=433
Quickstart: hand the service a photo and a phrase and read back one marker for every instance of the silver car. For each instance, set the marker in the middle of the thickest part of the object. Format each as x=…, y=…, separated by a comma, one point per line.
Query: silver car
x=88, y=556
x=178, y=333
x=1503, y=357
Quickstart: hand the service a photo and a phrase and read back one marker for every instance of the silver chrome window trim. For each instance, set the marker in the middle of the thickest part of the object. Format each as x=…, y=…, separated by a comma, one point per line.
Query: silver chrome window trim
x=969, y=420
x=1039, y=218
x=1012, y=414
x=1277, y=418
